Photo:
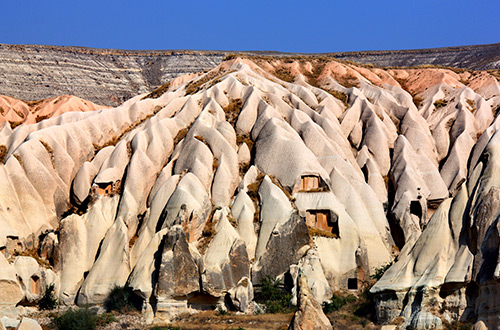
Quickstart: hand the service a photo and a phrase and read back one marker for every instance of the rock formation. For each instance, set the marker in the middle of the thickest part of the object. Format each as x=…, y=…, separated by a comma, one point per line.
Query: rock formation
x=309, y=314
x=111, y=76
x=452, y=269
x=263, y=167
x=17, y=112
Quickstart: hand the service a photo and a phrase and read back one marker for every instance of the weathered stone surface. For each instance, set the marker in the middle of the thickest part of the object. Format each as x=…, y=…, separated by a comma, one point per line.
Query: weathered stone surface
x=226, y=260
x=309, y=314
x=179, y=271
x=275, y=210
x=288, y=243
x=86, y=70
x=10, y=291
x=80, y=239
x=242, y=295
x=28, y=324
x=31, y=277
x=452, y=266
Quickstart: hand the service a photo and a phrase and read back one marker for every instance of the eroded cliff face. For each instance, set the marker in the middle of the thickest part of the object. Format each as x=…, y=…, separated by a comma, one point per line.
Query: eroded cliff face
x=110, y=77
x=259, y=167
x=479, y=57
x=104, y=76
x=452, y=271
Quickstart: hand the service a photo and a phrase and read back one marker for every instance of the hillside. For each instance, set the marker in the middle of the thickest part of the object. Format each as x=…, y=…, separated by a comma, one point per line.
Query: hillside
x=310, y=170
x=109, y=77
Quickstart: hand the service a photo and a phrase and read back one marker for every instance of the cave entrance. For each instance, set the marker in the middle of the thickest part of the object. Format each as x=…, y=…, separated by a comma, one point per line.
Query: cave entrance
x=416, y=208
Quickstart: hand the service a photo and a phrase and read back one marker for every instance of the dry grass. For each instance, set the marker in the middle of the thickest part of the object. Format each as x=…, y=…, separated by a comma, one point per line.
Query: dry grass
x=208, y=232
x=34, y=103
x=211, y=320
x=117, y=138
x=232, y=111
x=3, y=153
x=245, y=138
x=284, y=74
x=196, y=85
x=315, y=232
x=313, y=76
x=19, y=159
x=33, y=254
x=40, y=118
x=417, y=100
x=341, y=96
x=181, y=134
x=158, y=92
x=253, y=193
x=14, y=124
x=215, y=164
x=472, y=105
x=349, y=81
x=50, y=151
x=354, y=314
x=440, y=103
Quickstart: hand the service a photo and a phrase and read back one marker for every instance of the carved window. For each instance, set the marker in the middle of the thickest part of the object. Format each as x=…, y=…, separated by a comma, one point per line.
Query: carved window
x=105, y=188
x=352, y=283
x=323, y=220
x=309, y=182
x=35, y=285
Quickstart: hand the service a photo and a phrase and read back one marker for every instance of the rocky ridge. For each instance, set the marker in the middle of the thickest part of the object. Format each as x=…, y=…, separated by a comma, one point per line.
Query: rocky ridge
x=16, y=112
x=183, y=194
x=110, y=76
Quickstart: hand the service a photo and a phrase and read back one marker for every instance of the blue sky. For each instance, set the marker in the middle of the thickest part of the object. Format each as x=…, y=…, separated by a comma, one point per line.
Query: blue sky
x=296, y=26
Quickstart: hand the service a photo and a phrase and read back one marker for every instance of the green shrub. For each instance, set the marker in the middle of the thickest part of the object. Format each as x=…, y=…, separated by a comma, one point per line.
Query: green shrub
x=76, y=319
x=379, y=272
x=120, y=299
x=337, y=302
x=48, y=301
x=274, y=297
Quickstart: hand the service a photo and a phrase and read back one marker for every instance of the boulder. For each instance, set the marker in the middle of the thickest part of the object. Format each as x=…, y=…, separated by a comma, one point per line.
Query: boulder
x=242, y=295
x=10, y=290
x=28, y=324
x=31, y=277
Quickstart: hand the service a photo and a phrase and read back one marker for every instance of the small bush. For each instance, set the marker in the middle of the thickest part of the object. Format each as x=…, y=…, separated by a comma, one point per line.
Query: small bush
x=379, y=272
x=440, y=103
x=337, y=302
x=79, y=319
x=221, y=311
x=48, y=301
x=120, y=299
x=274, y=296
